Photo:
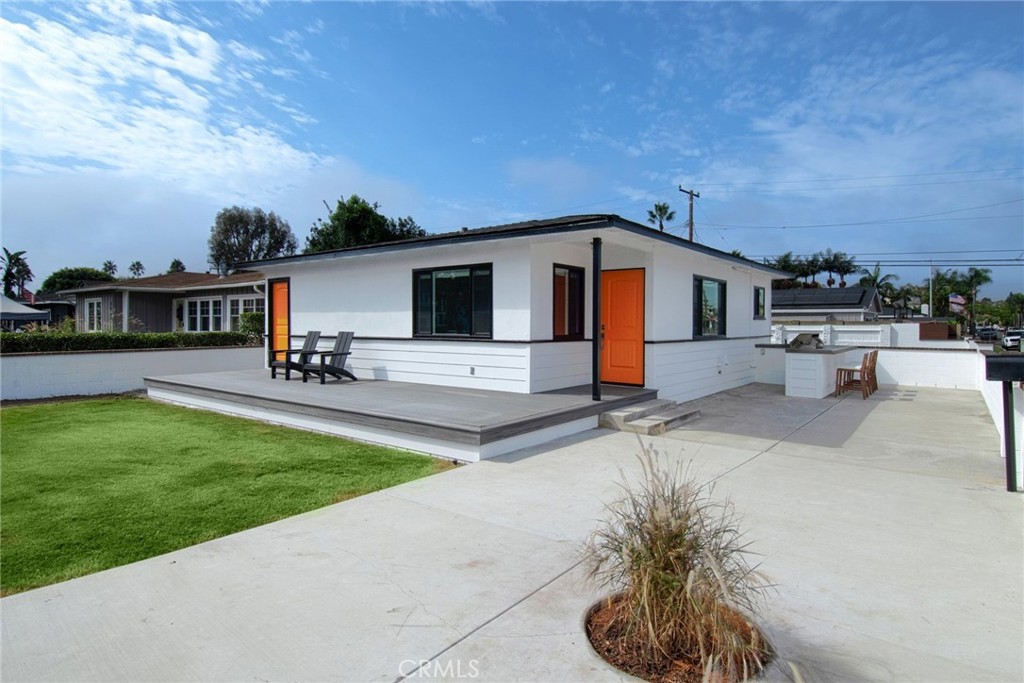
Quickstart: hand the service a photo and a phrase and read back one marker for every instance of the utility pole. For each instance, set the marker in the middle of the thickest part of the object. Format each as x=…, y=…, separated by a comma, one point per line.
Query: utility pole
x=692, y=195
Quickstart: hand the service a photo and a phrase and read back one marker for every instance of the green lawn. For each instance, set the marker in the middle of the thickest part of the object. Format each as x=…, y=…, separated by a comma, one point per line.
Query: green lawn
x=92, y=484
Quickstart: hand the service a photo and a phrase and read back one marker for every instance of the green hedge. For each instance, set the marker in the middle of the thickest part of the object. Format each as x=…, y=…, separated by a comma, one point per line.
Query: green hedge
x=21, y=342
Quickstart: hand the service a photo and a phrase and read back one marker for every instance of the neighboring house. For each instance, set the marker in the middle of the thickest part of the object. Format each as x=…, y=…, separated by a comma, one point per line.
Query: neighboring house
x=60, y=307
x=14, y=314
x=512, y=307
x=185, y=302
x=820, y=304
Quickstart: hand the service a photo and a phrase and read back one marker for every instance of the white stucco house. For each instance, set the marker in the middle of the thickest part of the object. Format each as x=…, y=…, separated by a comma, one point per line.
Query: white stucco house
x=513, y=307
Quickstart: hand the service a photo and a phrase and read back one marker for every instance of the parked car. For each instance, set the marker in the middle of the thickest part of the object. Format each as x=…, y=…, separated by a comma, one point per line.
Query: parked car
x=988, y=334
x=1011, y=340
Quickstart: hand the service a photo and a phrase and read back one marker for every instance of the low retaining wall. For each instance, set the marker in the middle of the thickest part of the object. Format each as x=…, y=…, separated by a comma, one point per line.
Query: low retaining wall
x=45, y=375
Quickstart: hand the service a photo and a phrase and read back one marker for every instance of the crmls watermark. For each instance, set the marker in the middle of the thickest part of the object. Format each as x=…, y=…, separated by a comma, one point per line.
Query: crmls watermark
x=425, y=668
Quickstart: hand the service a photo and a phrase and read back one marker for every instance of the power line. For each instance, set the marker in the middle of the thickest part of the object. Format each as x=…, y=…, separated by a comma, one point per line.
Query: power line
x=870, y=177
x=868, y=222
x=861, y=187
x=916, y=253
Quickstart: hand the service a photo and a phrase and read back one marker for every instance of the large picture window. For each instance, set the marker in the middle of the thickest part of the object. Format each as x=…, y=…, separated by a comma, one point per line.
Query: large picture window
x=568, y=302
x=239, y=305
x=454, y=301
x=759, y=303
x=203, y=315
x=708, y=307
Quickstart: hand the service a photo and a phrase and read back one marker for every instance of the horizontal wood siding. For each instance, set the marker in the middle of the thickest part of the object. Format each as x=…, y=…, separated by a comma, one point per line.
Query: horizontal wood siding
x=503, y=367
x=690, y=370
x=559, y=365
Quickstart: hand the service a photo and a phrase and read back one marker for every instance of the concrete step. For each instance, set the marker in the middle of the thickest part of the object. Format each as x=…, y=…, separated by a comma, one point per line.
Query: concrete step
x=616, y=419
x=658, y=423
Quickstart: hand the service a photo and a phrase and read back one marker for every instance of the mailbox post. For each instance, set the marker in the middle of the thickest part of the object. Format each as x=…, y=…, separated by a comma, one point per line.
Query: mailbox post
x=1007, y=368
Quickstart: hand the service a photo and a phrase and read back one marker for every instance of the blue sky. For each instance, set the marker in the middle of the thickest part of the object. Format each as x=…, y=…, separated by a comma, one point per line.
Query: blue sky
x=804, y=126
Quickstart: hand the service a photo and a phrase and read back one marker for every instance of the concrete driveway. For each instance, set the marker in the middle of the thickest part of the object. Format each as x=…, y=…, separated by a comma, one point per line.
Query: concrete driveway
x=885, y=524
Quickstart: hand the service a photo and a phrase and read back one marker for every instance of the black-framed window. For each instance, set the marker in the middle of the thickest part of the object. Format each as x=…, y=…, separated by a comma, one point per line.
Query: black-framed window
x=708, y=307
x=455, y=301
x=759, y=303
x=568, y=295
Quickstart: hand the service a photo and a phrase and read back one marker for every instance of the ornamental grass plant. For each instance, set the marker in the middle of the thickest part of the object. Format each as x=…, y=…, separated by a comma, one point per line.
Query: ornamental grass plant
x=684, y=591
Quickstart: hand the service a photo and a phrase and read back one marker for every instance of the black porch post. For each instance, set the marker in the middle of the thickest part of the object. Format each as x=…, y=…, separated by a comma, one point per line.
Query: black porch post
x=1009, y=440
x=595, y=319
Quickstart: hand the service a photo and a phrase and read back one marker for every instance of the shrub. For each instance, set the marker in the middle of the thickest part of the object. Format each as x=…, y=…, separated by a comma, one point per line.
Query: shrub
x=677, y=556
x=16, y=342
x=251, y=325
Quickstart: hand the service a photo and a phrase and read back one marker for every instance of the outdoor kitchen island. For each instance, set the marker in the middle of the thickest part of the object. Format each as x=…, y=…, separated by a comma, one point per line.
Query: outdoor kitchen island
x=811, y=372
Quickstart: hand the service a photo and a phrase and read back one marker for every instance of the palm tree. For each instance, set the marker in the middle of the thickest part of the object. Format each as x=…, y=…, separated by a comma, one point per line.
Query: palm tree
x=828, y=262
x=176, y=266
x=975, y=278
x=874, y=278
x=137, y=269
x=660, y=214
x=16, y=272
x=110, y=268
x=809, y=267
x=844, y=265
x=787, y=264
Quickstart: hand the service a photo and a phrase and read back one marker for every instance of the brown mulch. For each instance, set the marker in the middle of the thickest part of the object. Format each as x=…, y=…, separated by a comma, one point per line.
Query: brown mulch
x=608, y=640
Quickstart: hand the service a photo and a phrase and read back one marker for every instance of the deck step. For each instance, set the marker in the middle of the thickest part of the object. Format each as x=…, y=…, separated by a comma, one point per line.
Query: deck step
x=662, y=422
x=616, y=419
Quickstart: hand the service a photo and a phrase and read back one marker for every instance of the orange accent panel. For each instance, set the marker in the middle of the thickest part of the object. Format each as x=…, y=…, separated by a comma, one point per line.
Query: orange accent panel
x=561, y=304
x=279, y=332
x=622, y=320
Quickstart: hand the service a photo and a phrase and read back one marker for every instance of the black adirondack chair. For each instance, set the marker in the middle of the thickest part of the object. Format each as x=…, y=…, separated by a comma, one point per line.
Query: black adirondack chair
x=331, y=362
x=293, y=359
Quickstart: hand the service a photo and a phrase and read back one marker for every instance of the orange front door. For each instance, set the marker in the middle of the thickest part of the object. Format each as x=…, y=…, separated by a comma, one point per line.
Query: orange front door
x=622, y=326
x=280, y=332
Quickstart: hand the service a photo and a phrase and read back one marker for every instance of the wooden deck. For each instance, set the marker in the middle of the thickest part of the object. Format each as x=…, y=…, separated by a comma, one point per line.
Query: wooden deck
x=468, y=424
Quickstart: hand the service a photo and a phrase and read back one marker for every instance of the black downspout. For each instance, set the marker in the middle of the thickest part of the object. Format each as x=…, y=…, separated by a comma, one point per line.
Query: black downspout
x=1008, y=438
x=595, y=319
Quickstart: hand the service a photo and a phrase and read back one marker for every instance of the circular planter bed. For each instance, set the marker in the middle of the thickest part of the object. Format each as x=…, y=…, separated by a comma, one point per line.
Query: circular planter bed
x=605, y=632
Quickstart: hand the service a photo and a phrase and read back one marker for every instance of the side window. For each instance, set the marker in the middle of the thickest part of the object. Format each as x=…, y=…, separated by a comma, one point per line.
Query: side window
x=708, y=307
x=759, y=303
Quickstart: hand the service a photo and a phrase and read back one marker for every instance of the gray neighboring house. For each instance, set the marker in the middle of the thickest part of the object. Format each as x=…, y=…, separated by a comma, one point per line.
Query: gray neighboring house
x=173, y=302
x=857, y=304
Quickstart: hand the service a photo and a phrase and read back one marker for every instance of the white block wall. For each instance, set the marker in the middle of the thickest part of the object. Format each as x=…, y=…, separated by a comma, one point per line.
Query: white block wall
x=927, y=368
x=46, y=375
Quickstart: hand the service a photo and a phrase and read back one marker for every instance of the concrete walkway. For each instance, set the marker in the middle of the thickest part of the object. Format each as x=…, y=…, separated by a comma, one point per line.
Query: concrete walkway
x=897, y=553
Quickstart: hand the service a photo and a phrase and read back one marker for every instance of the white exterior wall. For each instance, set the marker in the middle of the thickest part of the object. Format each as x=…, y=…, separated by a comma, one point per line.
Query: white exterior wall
x=371, y=294
x=83, y=373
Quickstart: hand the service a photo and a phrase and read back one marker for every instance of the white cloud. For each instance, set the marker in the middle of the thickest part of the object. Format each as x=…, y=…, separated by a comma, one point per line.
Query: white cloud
x=133, y=93
x=245, y=52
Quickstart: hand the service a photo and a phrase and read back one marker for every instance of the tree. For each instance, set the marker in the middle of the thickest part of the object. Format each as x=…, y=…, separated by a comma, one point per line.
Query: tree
x=137, y=269
x=844, y=265
x=355, y=222
x=971, y=281
x=176, y=266
x=239, y=234
x=737, y=252
x=110, y=268
x=16, y=272
x=885, y=284
x=827, y=261
x=72, y=278
x=787, y=264
x=660, y=214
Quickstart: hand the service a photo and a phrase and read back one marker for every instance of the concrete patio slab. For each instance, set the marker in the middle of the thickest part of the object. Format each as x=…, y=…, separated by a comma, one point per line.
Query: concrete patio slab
x=884, y=524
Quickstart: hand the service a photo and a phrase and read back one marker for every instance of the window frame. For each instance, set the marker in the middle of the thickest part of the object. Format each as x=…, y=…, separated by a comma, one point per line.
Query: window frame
x=698, y=307
x=760, y=302
x=579, y=304
x=97, y=304
x=210, y=316
x=235, y=319
x=473, y=268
